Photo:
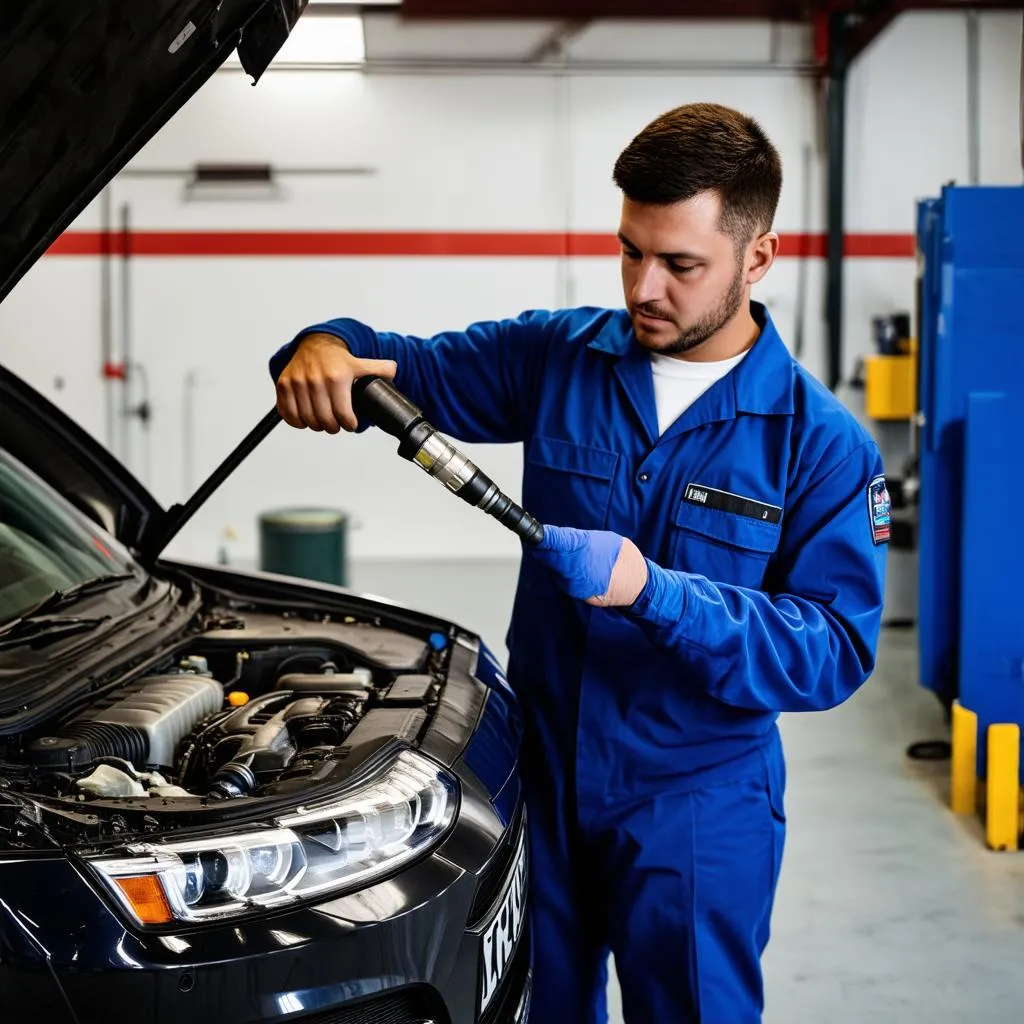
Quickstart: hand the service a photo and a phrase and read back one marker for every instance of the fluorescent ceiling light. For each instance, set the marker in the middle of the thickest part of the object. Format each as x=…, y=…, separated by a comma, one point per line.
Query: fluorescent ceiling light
x=318, y=41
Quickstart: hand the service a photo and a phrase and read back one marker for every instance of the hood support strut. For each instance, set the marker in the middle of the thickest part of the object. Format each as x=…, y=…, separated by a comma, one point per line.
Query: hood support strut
x=155, y=542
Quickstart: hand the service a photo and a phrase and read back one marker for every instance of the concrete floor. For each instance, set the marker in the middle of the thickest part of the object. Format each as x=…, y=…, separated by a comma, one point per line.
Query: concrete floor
x=889, y=909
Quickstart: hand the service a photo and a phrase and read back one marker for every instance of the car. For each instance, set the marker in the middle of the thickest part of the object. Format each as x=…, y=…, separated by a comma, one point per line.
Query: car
x=224, y=795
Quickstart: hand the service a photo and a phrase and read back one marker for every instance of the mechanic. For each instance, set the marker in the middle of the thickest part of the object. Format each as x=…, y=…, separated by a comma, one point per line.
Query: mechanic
x=715, y=526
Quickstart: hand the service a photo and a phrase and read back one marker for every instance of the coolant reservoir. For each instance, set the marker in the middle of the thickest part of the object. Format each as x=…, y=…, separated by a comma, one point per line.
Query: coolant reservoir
x=106, y=780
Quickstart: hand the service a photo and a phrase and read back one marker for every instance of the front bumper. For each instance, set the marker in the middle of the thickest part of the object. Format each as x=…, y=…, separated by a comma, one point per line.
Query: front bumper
x=404, y=950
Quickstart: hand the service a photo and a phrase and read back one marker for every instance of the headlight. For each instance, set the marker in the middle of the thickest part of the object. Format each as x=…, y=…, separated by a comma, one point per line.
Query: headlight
x=395, y=818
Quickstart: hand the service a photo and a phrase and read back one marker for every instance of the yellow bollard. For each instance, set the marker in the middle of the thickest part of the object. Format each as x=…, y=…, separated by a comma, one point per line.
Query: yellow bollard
x=963, y=789
x=1002, y=803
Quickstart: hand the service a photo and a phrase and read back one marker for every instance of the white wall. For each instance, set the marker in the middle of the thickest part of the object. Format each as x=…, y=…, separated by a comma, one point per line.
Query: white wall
x=908, y=135
x=469, y=152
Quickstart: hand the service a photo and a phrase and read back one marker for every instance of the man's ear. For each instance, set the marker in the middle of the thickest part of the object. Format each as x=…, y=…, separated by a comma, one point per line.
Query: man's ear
x=761, y=255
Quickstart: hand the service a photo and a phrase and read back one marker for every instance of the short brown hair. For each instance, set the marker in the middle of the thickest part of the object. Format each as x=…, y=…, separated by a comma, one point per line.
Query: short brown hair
x=704, y=147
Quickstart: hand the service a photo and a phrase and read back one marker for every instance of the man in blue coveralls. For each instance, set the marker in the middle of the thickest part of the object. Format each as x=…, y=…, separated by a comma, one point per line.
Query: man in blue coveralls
x=713, y=555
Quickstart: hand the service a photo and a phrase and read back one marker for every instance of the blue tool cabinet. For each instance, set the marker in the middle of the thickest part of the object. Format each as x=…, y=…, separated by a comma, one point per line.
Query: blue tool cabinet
x=971, y=453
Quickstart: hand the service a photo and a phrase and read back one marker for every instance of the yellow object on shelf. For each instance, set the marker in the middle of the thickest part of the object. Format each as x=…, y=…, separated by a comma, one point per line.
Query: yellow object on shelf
x=891, y=387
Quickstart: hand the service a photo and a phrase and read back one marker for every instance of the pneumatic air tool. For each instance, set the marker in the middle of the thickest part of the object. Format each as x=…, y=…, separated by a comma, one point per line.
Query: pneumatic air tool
x=377, y=400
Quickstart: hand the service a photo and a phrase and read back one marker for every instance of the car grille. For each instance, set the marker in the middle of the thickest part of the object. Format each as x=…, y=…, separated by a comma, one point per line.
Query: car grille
x=410, y=1006
x=495, y=874
x=506, y=1002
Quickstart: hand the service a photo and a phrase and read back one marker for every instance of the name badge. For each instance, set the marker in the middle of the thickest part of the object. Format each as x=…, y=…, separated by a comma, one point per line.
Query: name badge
x=726, y=501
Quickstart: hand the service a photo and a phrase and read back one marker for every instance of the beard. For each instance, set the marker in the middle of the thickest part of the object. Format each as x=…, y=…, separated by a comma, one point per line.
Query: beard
x=706, y=327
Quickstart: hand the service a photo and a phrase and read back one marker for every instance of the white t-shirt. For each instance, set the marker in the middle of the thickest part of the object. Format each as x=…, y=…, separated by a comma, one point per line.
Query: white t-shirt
x=678, y=383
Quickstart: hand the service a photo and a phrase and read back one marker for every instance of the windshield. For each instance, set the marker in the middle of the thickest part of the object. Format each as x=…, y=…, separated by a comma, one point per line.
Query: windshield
x=46, y=544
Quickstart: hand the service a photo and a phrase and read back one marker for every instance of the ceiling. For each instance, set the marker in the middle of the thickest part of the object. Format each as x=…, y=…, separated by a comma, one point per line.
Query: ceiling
x=389, y=37
x=779, y=10
x=787, y=10
x=585, y=32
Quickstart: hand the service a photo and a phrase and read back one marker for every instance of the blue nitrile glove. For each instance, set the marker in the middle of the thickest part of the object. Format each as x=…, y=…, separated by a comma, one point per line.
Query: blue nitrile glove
x=584, y=559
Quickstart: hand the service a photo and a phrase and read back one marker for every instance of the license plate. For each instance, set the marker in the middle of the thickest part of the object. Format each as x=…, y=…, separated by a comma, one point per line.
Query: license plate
x=501, y=934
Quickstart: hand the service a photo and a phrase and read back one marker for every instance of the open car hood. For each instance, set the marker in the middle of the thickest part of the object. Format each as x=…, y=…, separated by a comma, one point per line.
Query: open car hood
x=84, y=84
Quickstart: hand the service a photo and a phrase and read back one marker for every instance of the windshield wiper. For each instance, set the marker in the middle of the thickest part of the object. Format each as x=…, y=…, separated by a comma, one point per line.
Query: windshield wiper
x=24, y=632
x=60, y=598
x=34, y=623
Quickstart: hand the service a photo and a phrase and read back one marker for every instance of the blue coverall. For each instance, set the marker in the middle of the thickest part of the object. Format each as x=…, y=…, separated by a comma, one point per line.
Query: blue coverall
x=652, y=766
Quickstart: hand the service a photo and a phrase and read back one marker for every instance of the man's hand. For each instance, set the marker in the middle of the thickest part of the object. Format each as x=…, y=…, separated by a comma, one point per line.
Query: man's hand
x=599, y=567
x=315, y=388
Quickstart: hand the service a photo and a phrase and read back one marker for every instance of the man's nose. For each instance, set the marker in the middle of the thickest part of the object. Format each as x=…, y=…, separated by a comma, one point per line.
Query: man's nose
x=649, y=285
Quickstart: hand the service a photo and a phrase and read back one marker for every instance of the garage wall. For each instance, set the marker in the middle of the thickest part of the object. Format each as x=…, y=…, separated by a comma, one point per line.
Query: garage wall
x=473, y=152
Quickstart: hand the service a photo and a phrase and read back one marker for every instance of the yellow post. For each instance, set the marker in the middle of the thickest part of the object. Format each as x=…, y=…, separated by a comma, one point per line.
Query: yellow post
x=1002, y=807
x=963, y=790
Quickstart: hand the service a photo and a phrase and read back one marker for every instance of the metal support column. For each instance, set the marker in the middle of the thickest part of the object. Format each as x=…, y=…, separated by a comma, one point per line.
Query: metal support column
x=837, y=69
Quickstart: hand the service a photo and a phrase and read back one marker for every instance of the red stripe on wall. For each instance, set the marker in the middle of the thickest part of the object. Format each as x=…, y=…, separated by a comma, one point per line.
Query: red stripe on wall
x=884, y=246
x=419, y=243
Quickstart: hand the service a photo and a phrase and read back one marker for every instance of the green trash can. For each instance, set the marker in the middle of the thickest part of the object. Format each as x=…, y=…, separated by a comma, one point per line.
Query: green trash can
x=305, y=542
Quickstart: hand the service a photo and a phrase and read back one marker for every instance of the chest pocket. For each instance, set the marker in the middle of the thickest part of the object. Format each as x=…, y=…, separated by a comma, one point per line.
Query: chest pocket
x=568, y=484
x=724, y=546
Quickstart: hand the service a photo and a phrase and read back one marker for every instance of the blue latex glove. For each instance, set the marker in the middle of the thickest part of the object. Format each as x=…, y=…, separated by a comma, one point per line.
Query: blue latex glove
x=584, y=559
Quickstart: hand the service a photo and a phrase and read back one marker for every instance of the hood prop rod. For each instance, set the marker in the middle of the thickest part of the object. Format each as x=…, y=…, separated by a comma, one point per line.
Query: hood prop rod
x=178, y=515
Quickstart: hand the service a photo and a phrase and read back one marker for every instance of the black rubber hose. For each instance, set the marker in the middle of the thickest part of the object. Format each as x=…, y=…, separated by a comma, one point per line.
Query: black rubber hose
x=930, y=750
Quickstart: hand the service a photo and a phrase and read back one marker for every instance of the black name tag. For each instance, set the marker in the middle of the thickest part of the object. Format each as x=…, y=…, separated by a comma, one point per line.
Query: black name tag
x=726, y=501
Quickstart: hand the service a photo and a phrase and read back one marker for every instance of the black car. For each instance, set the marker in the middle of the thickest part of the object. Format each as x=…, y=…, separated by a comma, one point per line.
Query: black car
x=223, y=796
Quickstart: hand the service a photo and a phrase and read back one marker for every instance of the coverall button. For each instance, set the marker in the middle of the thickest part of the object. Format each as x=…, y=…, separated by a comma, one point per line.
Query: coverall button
x=644, y=477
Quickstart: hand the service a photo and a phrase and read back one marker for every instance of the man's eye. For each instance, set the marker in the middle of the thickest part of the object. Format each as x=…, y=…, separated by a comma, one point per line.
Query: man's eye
x=677, y=269
x=630, y=254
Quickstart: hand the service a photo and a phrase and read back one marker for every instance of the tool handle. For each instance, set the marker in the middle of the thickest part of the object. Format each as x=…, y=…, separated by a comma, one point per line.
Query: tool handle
x=378, y=400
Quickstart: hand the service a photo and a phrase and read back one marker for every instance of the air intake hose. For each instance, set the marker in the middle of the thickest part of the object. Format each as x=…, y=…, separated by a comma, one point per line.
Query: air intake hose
x=80, y=745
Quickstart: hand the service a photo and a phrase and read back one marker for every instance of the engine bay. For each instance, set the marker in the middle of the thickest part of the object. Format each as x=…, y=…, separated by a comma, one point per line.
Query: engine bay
x=255, y=706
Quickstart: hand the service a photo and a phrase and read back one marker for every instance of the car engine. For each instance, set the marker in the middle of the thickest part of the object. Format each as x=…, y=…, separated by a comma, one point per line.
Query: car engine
x=239, y=715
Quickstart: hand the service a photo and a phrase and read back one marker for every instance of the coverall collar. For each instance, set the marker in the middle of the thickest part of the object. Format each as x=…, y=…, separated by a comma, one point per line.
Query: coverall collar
x=761, y=384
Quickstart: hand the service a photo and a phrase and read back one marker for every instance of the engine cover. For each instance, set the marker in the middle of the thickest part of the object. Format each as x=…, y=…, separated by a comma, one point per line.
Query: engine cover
x=165, y=709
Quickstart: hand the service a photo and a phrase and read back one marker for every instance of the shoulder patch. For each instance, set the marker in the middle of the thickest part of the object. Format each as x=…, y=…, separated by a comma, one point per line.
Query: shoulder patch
x=879, y=510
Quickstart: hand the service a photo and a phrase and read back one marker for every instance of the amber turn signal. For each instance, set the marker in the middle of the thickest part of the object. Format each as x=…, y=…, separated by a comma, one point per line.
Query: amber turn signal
x=146, y=895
